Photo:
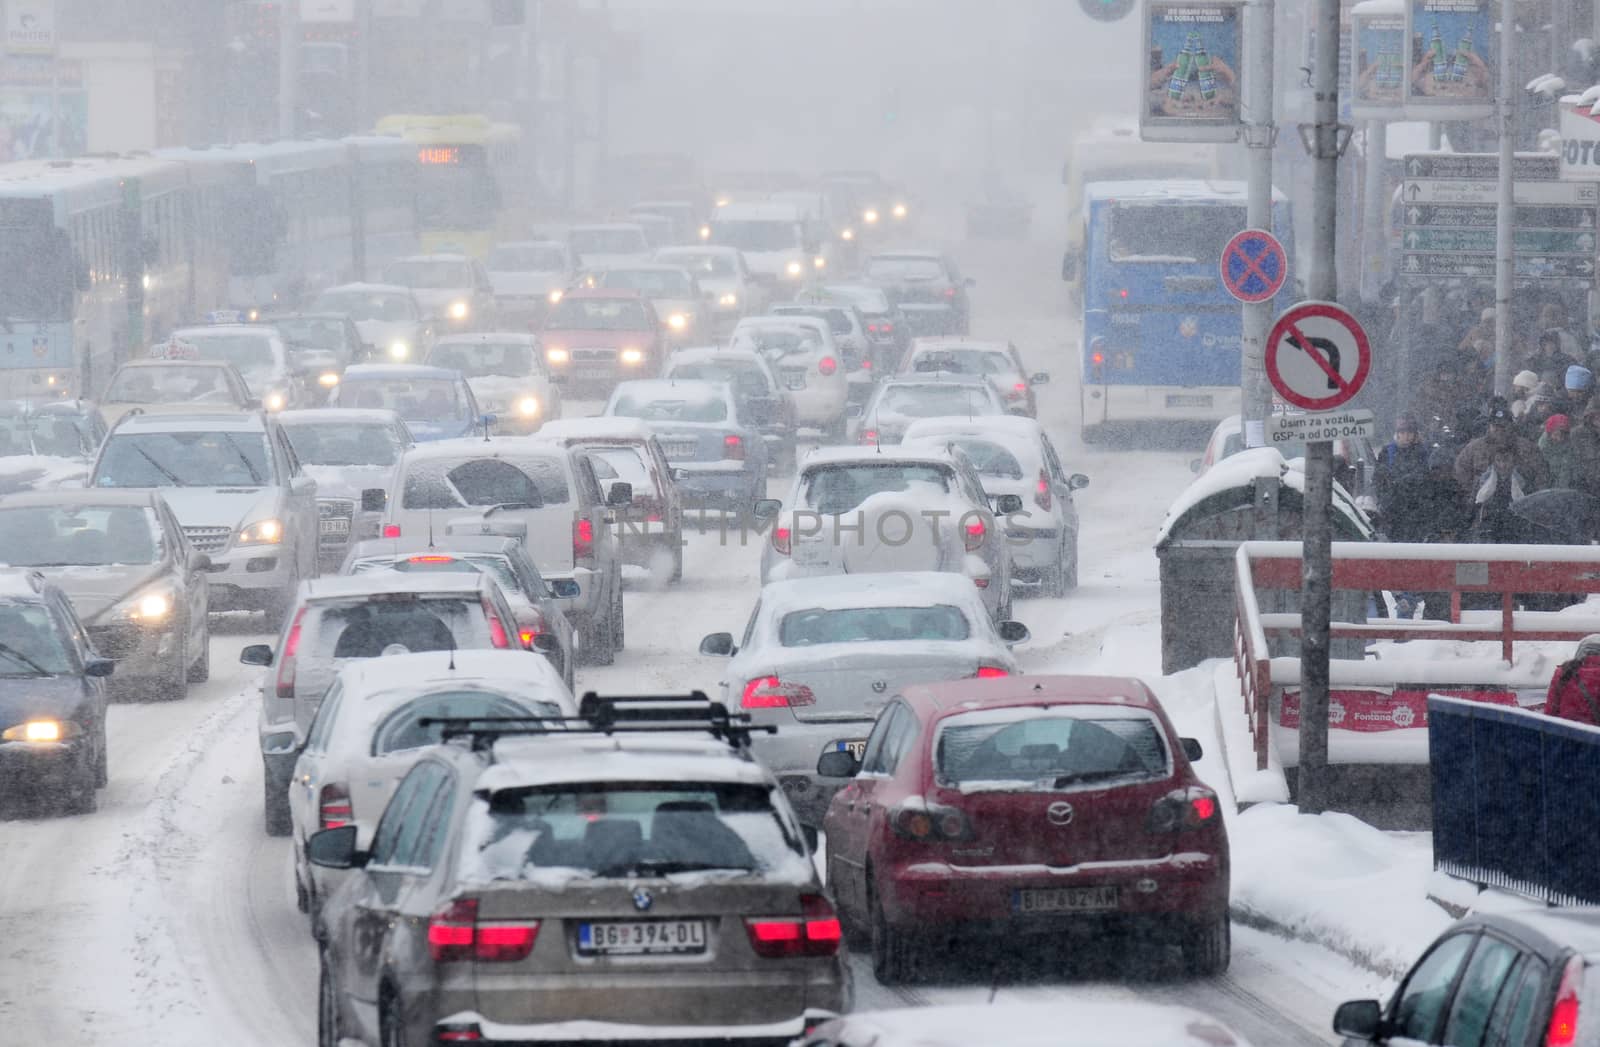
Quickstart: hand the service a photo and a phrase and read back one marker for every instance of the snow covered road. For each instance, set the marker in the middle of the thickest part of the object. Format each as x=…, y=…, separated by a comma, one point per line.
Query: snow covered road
x=168, y=915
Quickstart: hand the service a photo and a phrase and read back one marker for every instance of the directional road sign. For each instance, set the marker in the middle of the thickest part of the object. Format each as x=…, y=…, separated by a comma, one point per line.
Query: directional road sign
x=1318, y=356
x=1254, y=266
x=1448, y=203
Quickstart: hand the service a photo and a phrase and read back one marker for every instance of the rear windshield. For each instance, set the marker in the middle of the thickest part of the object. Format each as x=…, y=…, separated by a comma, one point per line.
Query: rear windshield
x=756, y=235
x=894, y=269
x=402, y=729
x=1174, y=231
x=936, y=401
x=838, y=320
x=414, y=399
x=482, y=482
x=990, y=459
x=775, y=341
x=873, y=624
x=1049, y=747
x=344, y=443
x=629, y=829
x=496, y=567
x=840, y=488
x=368, y=305
x=626, y=464
x=653, y=283
x=747, y=377
x=669, y=409
x=483, y=359
x=371, y=626
x=170, y=384
x=609, y=241
x=702, y=265
x=963, y=361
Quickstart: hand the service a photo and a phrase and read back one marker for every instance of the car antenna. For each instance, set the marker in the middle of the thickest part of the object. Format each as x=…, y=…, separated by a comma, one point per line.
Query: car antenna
x=430, y=527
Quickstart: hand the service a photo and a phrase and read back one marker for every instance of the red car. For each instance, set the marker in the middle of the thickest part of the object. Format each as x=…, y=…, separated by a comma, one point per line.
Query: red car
x=594, y=339
x=1024, y=806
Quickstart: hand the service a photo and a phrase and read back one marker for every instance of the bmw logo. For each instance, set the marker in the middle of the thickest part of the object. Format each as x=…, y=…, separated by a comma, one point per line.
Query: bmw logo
x=1189, y=326
x=642, y=899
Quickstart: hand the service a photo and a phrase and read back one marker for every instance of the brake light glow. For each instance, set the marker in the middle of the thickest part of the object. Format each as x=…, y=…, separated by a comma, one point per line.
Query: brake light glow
x=454, y=934
x=1563, y=1029
x=1041, y=492
x=431, y=559
x=582, y=538
x=769, y=692
x=497, y=628
x=827, y=365
x=781, y=543
x=973, y=535
x=286, y=657
x=990, y=672
x=333, y=806
x=816, y=932
x=1124, y=292
x=1183, y=810
x=949, y=292
x=869, y=436
x=733, y=447
x=391, y=530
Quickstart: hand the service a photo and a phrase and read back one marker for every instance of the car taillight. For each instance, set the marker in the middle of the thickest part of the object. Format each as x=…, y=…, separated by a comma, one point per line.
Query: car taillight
x=1041, y=492
x=918, y=820
x=582, y=538
x=816, y=932
x=431, y=559
x=781, y=540
x=733, y=447
x=286, y=657
x=333, y=806
x=497, y=628
x=949, y=292
x=1563, y=1029
x=454, y=934
x=990, y=672
x=391, y=530
x=1186, y=809
x=769, y=692
x=458, y=1032
x=866, y=365
x=1018, y=391
x=827, y=365
x=973, y=535
x=869, y=436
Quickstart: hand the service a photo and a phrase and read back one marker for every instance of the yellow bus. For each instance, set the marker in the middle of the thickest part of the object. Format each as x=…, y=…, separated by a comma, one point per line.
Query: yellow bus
x=468, y=169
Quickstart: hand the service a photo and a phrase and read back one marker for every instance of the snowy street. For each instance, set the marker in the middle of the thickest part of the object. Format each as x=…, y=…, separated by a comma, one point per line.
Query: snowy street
x=168, y=915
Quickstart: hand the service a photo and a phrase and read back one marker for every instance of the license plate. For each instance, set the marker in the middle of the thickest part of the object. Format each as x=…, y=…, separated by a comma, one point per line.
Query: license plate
x=1188, y=400
x=1064, y=899
x=594, y=372
x=856, y=747
x=335, y=526
x=812, y=553
x=642, y=938
x=676, y=449
x=794, y=381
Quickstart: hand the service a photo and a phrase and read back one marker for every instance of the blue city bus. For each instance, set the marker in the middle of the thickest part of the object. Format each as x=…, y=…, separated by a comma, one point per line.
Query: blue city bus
x=1160, y=332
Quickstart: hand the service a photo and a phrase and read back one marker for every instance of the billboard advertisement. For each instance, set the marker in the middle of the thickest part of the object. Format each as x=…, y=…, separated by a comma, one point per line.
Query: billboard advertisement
x=1381, y=60
x=1192, y=90
x=1451, y=59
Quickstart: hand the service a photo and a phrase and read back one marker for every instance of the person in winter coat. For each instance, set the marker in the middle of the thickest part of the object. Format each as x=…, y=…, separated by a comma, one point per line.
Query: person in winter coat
x=1478, y=457
x=1500, y=485
x=1522, y=387
x=1586, y=453
x=1575, y=687
x=1541, y=406
x=1578, y=390
x=1442, y=510
x=1556, y=446
x=1550, y=361
x=1401, y=464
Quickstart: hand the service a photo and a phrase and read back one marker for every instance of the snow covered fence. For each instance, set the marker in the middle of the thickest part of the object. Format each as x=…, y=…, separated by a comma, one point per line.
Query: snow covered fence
x=1516, y=798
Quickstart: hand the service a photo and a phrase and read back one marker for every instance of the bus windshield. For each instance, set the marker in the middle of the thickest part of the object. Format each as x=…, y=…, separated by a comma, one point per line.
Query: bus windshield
x=1172, y=231
x=456, y=196
x=37, y=259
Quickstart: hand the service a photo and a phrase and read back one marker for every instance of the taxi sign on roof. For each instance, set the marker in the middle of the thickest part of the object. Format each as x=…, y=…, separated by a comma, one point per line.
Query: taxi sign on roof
x=225, y=316
x=174, y=349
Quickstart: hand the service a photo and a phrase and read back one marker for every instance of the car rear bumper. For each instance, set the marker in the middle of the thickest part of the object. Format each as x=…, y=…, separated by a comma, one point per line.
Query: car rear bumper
x=251, y=578
x=700, y=486
x=932, y=317
x=986, y=899
x=792, y=756
x=1033, y=549
x=588, y=601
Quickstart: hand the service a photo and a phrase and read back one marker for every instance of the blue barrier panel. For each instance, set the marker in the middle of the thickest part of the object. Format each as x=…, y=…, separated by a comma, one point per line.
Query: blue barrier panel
x=1516, y=800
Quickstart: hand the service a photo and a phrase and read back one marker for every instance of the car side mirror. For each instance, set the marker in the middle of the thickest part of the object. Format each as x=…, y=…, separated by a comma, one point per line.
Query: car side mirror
x=1041, y=378
x=565, y=588
x=1194, y=466
x=1069, y=266
x=838, y=764
x=853, y=411
x=198, y=561
x=545, y=643
x=1006, y=504
x=680, y=474
x=101, y=667
x=1013, y=632
x=336, y=848
x=1358, y=1019
x=766, y=508
x=621, y=494
x=1077, y=482
x=717, y=645
x=374, y=500
x=1191, y=748
x=256, y=654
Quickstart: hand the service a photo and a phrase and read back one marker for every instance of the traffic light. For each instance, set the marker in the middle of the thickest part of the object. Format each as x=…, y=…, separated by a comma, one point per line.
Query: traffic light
x=1107, y=10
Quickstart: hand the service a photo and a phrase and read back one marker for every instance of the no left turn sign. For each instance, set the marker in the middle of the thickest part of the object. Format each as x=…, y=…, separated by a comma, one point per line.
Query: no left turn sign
x=1318, y=356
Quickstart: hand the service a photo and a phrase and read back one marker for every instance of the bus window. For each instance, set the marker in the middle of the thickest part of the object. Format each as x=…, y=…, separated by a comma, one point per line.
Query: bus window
x=38, y=260
x=1168, y=233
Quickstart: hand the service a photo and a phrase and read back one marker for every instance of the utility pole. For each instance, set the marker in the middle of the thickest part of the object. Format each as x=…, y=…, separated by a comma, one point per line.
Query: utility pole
x=1316, y=560
x=1505, y=213
x=288, y=65
x=1260, y=133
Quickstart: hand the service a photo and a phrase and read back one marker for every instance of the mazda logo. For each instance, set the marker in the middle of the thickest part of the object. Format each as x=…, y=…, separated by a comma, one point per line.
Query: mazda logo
x=1059, y=813
x=880, y=686
x=642, y=900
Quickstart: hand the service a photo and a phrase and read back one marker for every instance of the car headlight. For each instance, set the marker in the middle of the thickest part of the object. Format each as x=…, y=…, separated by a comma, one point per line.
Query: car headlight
x=274, y=402
x=869, y=216
x=458, y=310
x=151, y=607
x=557, y=355
x=556, y=296
x=399, y=350
x=705, y=232
x=848, y=234
x=677, y=321
x=819, y=262
x=41, y=731
x=723, y=201
x=262, y=532
x=728, y=300
x=328, y=379
x=793, y=268
x=899, y=210
x=528, y=406
x=631, y=356
x=253, y=315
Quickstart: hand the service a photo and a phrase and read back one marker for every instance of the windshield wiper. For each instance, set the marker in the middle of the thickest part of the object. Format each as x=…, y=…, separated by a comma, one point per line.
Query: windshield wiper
x=171, y=476
x=255, y=477
x=666, y=868
x=1087, y=776
x=24, y=660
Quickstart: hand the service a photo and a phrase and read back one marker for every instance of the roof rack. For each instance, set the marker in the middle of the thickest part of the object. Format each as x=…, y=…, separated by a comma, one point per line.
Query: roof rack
x=692, y=713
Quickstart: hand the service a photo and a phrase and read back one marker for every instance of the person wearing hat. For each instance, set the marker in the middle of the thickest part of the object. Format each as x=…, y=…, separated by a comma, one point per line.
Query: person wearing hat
x=1401, y=465
x=1578, y=389
x=1503, y=451
x=1522, y=387
x=1550, y=361
x=1555, y=444
x=1575, y=686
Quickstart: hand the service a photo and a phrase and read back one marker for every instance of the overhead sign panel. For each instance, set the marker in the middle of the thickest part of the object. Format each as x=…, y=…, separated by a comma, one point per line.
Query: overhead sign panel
x=1192, y=89
x=1451, y=61
x=1580, y=142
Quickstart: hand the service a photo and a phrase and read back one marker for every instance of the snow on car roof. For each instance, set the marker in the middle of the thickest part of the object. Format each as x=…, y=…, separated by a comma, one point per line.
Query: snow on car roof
x=442, y=544
x=712, y=353
x=341, y=587
x=69, y=497
x=948, y=342
x=596, y=227
x=433, y=256
x=847, y=455
x=478, y=447
x=527, y=760
x=599, y=427
x=359, y=371
x=1021, y=441
x=339, y=416
x=1075, y=1023
x=653, y=389
x=696, y=249
x=895, y=589
x=488, y=338
x=203, y=331
x=366, y=288
x=397, y=679
x=759, y=212
x=1011, y=691
x=198, y=422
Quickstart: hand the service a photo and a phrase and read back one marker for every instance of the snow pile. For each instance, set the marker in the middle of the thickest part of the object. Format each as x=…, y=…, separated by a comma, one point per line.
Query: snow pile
x=1336, y=881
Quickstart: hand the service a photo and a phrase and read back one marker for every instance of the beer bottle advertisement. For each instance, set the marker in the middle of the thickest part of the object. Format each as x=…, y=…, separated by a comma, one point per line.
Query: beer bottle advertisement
x=1192, y=87
x=1451, y=62
x=1382, y=58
